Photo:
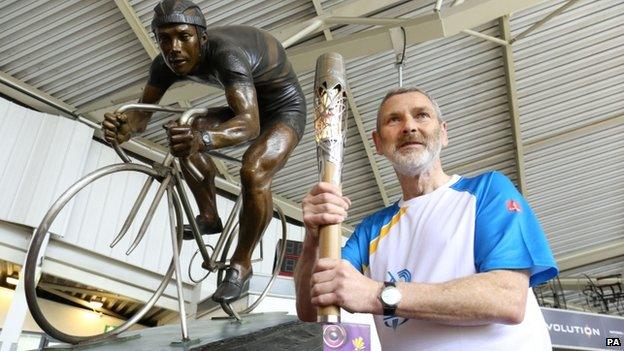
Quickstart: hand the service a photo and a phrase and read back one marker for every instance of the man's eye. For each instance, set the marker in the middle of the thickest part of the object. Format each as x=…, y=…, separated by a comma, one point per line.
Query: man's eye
x=423, y=115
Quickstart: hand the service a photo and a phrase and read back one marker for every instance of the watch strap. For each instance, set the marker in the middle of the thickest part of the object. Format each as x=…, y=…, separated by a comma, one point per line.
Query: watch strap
x=207, y=140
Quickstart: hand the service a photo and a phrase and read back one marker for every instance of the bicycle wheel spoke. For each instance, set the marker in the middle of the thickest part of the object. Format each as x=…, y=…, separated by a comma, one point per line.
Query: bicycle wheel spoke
x=176, y=261
x=150, y=214
x=133, y=211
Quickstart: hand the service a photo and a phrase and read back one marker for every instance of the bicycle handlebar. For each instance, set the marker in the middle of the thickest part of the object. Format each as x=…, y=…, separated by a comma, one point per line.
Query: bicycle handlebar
x=186, y=119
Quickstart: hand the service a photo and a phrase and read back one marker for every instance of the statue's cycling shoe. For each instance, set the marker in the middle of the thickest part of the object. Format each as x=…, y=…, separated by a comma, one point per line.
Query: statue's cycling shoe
x=205, y=227
x=233, y=284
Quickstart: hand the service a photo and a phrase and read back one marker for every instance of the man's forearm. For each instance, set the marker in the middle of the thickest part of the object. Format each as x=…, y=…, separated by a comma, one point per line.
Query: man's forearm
x=303, y=273
x=493, y=297
x=237, y=130
x=138, y=120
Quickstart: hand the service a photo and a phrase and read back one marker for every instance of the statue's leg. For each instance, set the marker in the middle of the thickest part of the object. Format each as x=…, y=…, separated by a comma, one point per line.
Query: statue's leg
x=266, y=155
x=204, y=191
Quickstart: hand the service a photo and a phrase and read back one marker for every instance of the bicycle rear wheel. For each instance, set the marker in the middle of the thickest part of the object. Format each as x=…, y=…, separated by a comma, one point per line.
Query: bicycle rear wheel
x=276, y=269
x=32, y=262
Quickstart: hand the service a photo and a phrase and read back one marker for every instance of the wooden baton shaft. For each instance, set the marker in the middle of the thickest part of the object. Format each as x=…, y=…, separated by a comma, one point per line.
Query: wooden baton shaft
x=329, y=241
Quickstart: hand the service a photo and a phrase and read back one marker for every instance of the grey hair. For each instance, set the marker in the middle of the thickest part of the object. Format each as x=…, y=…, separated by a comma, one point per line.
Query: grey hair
x=402, y=90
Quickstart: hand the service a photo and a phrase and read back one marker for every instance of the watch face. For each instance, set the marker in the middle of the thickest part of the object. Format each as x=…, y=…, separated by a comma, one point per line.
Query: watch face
x=206, y=138
x=391, y=296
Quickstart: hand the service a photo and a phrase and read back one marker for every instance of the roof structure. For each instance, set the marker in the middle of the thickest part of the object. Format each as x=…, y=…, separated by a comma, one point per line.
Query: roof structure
x=532, y=88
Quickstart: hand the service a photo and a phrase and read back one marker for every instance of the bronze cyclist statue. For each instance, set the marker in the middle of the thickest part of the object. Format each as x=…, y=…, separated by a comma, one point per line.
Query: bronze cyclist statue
x=266, y=108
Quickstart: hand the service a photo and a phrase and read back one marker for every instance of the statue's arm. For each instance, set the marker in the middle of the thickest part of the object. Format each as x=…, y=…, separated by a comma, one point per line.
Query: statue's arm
x=245, y=125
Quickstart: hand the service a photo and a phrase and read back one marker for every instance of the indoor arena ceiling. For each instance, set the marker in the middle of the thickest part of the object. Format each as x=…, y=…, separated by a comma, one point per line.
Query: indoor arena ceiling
x=534, y=89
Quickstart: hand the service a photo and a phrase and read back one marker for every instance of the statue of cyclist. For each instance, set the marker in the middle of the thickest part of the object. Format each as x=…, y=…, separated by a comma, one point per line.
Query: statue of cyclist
x=266, y=108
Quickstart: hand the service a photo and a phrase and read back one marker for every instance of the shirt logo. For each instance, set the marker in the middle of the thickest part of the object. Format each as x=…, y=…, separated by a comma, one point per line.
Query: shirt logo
x=513, y=206
x=403, y=275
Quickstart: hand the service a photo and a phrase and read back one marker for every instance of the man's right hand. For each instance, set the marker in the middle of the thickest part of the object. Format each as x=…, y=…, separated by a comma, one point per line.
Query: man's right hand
x=323, y=205
x=116, y=127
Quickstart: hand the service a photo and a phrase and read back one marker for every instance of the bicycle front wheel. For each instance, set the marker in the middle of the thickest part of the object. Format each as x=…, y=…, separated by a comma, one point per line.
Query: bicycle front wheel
x=31, y=268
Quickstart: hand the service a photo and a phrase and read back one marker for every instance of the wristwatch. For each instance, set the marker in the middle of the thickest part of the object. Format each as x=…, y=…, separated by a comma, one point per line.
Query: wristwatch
x=390, y=297
x=207, y=140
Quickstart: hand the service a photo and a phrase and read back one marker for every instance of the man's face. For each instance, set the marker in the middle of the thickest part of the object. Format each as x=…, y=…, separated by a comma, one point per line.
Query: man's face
x=180, y=46
x=410, y=134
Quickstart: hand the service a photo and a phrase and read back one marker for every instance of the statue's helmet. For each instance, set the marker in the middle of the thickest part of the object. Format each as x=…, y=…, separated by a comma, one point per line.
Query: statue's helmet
x=178, y=12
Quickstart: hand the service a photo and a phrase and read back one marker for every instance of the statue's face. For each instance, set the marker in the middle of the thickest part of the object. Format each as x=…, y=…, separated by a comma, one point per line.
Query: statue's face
x=180, y=46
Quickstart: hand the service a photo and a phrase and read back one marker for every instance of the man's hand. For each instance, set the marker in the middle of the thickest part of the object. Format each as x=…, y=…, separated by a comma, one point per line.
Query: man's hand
x=337, y=282
x=116, y=127
x=323, y=205
x=183, y=140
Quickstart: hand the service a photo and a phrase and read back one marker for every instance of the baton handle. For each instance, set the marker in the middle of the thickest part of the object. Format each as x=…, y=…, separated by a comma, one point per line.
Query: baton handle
x=329, y=247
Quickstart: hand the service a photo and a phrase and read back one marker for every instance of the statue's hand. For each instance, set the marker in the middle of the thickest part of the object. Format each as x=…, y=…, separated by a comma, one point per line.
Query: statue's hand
x=183, y=140
x=116, y=127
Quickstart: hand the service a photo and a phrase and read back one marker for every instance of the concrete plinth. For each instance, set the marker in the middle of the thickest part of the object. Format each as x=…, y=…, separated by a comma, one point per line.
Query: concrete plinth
x=263, y=331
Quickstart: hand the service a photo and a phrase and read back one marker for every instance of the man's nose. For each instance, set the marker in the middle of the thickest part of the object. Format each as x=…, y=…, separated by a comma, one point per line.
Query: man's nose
x=177, y=45
x=410, y=125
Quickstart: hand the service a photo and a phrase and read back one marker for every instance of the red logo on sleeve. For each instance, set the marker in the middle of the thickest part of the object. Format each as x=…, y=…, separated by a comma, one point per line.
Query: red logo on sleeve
x=513, y=206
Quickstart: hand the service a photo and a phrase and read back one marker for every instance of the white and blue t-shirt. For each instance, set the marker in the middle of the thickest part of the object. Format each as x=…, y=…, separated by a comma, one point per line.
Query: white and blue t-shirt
x=466, y=226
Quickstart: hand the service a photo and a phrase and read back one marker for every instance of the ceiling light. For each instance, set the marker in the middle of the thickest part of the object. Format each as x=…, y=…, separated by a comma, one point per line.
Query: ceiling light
x=12, y=280
x=96, y=303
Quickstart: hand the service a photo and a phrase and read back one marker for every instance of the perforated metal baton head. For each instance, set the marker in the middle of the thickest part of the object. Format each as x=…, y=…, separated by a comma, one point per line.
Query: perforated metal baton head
x=330, y=110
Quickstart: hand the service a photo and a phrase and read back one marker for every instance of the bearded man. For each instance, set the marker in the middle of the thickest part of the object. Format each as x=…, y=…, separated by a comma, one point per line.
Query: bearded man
x=447, y=267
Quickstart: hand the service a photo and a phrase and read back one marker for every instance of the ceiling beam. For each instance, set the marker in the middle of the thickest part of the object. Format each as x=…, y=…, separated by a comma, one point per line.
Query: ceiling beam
x=31, y=96
x=423, y=28
x=589, y=256
x=81, y=302
x=303, y=58
x=512, y=101
x=137, y=27
x=77, y=290
x=543, y=20
x=486, y=37
x=318, y=7
x=579, y=284
x=353, y=8
x=367, y=148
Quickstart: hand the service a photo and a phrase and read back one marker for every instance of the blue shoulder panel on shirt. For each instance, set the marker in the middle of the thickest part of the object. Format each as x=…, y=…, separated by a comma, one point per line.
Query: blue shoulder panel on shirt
x=507, y=233
x=356, y=249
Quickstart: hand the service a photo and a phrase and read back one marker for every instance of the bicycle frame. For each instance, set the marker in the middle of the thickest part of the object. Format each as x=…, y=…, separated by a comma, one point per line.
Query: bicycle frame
x=211, y=262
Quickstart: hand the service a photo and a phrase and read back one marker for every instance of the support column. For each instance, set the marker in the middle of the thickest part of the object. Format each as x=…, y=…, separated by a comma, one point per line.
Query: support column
x=12, y=328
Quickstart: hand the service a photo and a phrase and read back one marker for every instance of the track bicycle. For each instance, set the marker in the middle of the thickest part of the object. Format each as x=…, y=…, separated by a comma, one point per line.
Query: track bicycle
x=168, y=173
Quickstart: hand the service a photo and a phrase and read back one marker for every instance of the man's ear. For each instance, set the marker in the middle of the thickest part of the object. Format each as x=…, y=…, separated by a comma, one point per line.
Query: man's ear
x=377, y=141
x=444, y=133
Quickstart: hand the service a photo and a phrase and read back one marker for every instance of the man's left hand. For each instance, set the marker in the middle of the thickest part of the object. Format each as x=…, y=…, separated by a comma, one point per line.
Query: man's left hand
x=337, y=282
x=183, y=140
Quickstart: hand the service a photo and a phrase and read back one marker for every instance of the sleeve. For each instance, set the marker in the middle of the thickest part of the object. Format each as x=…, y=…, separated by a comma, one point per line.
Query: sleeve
x=354, y=251
x=508, y=235
x=161, y=75
x=233, y=68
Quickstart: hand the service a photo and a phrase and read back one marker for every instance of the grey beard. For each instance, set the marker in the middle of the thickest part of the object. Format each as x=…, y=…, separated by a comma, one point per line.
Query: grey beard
x=406, y=166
